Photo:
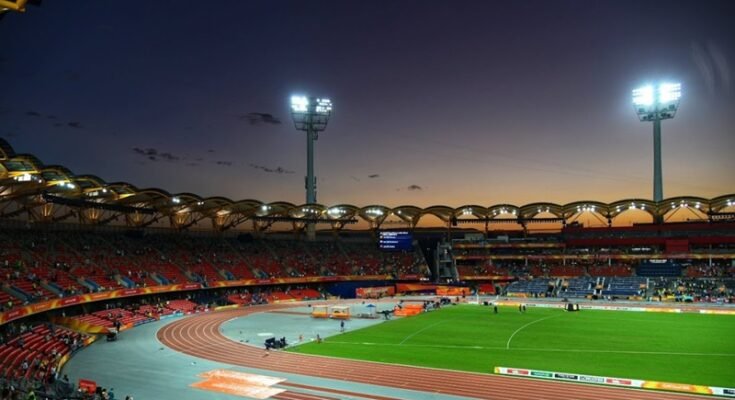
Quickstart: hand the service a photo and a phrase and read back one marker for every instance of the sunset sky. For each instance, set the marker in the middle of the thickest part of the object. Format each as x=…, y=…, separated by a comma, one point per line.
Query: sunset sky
x=435, y=102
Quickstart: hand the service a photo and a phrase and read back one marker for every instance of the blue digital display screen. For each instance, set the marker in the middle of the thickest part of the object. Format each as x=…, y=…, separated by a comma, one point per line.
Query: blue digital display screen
x=396, y=241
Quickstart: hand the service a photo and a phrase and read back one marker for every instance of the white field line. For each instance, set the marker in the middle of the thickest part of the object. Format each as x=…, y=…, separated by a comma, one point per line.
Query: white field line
x=421, y=330
x=449, y=346
x=507, y=346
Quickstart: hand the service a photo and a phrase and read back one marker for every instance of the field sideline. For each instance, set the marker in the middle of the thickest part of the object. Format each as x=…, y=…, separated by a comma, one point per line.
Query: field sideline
x=681, y=348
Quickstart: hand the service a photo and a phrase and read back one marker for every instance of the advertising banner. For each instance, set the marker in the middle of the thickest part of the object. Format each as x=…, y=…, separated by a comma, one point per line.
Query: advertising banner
x=375, y=292
x=626, y=382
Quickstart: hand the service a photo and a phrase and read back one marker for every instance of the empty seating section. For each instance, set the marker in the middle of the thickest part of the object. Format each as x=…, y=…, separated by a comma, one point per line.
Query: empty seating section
x=184, y=306
x=144, y=313
x=486, y=289
x=467, y=270
x=168, y=273
x=150, y=311
x=610, y=270
x=273, y=296
x=566, y=270
x=93, y=319
x=118, y=314
x=577, y=287
x=658, y=269
x=625, y=286
x=240, y=298
x=538, y=286
x=96, y=278
x=305, y=294
x=482, y=270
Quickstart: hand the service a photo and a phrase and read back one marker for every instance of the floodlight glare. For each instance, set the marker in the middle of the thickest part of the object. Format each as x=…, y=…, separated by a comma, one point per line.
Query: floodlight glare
x=669, y=92
x=323, y=106
x=643, y=96
x=299, y=104
x=656, y=104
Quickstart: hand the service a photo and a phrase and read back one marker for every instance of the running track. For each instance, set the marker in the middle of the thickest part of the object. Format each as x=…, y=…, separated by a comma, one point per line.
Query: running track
x=200, y=336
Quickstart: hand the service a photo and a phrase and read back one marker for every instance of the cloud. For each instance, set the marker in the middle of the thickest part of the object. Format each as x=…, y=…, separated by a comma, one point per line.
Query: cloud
x=145, y=152
x=155, y=155
x=257, y=118
x=70, y=124
x=169, y=157
x=354, y=178
x=225, y=163
x=277, y=170
x=414, y=188
x=373, y=176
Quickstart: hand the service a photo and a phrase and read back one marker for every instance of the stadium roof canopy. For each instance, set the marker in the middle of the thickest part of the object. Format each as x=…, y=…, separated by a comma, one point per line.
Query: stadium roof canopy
x=48, y=193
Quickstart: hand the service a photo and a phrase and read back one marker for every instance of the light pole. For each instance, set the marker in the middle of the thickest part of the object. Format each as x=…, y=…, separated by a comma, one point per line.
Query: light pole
x=311, y=116
x=657, y=103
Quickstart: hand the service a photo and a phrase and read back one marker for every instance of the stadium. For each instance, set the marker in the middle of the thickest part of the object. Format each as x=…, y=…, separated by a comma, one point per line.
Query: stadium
x=75, y=279
x=117, y=288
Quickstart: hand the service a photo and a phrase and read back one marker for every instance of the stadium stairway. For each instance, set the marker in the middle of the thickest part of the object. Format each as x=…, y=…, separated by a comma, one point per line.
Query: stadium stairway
x=17, y=293
x=160, y=279
x=127, y=282
x=53, y=288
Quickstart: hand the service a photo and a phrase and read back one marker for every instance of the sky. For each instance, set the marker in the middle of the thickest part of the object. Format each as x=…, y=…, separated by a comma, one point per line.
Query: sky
x=435, y=102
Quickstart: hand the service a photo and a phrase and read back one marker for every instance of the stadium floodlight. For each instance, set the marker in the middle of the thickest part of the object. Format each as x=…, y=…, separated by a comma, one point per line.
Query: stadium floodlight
x=654, y=104
x=310, y=115
x=657, y=103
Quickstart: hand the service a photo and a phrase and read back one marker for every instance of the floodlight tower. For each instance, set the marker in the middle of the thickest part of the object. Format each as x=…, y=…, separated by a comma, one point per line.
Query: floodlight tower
x=657, y=103
x=311, y=116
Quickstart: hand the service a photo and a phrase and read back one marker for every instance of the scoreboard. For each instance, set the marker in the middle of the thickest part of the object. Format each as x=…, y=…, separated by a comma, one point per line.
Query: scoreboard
x=396, y=241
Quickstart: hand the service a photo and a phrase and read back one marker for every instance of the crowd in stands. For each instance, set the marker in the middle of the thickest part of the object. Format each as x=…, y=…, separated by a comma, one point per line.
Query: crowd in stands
x=31, y=357
x=688, y=289
x=43, y=265
x=679, y=289
x=256, y=296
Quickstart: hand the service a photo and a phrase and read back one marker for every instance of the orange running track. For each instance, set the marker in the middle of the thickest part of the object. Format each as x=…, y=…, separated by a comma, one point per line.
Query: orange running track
x=200, y=336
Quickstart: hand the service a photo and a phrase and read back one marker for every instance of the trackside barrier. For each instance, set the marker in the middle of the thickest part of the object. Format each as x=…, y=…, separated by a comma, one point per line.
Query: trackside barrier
x=718, y=312
x=620, y=308
x=624, y=382
x=612, y=308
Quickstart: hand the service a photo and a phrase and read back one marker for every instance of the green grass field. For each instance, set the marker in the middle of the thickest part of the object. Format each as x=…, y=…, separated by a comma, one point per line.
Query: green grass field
x=681, y=348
